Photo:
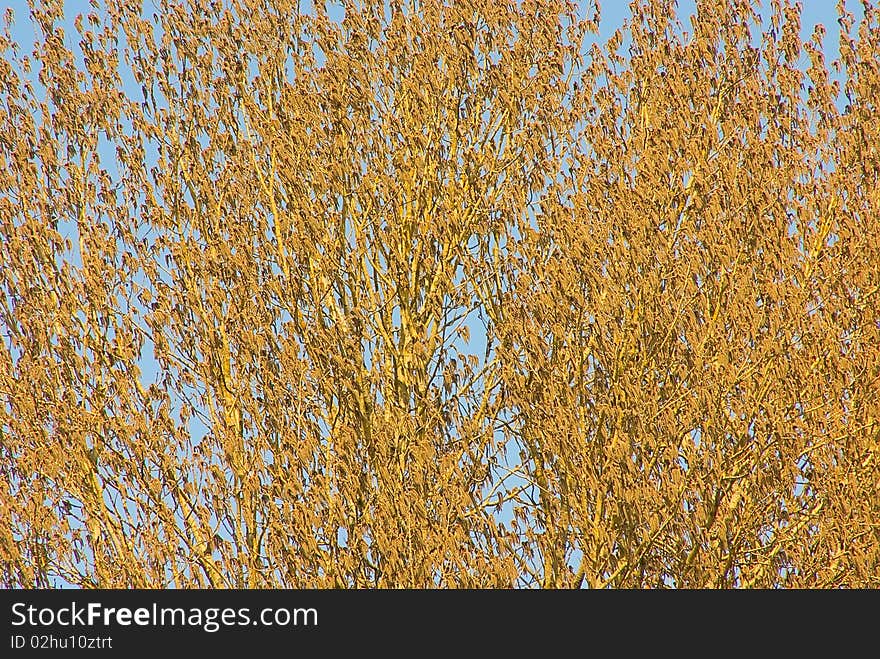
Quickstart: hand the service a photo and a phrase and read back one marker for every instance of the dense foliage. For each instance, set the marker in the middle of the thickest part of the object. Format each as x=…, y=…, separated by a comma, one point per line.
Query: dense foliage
x=430, y=293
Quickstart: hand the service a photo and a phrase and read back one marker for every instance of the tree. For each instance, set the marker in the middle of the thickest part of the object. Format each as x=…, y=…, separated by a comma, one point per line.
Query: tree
x=432, y=294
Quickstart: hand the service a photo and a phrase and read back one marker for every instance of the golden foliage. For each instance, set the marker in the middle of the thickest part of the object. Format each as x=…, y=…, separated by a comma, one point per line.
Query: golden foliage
x=435, y=294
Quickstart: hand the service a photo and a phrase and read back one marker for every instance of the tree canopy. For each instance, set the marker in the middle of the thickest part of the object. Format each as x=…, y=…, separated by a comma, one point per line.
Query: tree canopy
x=439, y=294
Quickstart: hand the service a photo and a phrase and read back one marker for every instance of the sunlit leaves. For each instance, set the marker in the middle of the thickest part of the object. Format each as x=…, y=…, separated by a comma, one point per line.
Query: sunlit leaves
x=436, y=294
